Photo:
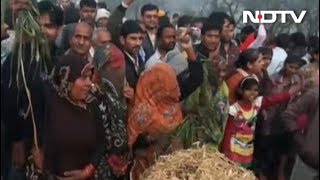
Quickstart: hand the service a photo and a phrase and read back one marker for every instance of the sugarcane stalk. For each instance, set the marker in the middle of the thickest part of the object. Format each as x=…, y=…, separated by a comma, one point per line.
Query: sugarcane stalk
x=28, y=29
x=35, y=134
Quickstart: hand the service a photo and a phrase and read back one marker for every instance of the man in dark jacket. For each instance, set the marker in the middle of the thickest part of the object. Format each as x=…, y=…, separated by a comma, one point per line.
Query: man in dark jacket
x=307, y=141
x=131, y=39
x=150, y=19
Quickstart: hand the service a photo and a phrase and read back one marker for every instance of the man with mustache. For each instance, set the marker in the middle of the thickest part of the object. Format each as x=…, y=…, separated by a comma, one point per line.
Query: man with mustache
x=81, y=42
x=150, y=19
x=166, y=37
x=131, y=38
x=189, y=70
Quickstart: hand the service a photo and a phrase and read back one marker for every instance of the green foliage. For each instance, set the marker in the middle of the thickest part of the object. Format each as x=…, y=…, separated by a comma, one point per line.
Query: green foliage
x=28, y=36
x=203, y=122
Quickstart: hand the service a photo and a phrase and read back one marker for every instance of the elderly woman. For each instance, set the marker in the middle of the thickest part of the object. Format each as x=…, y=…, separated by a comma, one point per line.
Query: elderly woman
x=83, y=134
x=155, y=112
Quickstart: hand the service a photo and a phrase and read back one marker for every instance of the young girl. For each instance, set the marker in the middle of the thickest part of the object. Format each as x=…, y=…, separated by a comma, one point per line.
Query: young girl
x=239, y=132
x=250, y=63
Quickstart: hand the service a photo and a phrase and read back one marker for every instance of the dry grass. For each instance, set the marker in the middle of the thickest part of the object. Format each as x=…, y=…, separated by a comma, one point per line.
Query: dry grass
x=196, y=164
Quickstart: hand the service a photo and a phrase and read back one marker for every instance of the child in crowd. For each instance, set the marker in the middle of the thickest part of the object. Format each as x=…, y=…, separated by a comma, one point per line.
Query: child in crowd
x=237, y=143
x=250, y=63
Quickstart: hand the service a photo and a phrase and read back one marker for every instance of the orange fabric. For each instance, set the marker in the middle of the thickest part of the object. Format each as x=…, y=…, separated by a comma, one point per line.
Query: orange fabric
x=161, y=13
x=233, y=84
x=156, y=108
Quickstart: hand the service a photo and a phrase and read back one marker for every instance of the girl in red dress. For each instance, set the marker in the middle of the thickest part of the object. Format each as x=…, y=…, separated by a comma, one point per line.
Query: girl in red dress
x=238, y=137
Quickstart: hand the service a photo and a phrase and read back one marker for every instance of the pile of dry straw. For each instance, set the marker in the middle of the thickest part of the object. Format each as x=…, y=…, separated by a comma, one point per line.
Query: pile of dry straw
x=196, y=164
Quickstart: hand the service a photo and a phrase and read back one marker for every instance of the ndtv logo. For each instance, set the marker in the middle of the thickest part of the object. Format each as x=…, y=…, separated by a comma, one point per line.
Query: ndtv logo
x=259, y=16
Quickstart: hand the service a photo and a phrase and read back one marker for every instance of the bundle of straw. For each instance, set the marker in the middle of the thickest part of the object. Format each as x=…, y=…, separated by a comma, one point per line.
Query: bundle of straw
x=196, y=164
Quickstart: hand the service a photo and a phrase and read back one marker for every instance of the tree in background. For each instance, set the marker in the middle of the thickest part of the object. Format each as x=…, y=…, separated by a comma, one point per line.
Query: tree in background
x=310, y=25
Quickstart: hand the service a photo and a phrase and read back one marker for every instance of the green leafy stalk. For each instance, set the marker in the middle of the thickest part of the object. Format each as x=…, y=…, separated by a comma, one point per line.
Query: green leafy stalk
x=28, y=33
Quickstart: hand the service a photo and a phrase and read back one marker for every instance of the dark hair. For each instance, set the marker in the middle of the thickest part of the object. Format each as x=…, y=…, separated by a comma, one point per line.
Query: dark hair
x=129, y=27
x=102, y=5
x=299, y=39
x=54, y=12
x=184, y=21
x=218, y=18
x=208, y=26
x=246, y=84
x=71, y=15
x=283, y=40
x=247, y=56
x=265, y=51
x=162, y=28
x=175, y=15
x=313, y=41
x=246, y=30
x=149, y=7
x=198, y=19
x=294, y=59
x=164, y=20
x=232, y=21
x=88, y=3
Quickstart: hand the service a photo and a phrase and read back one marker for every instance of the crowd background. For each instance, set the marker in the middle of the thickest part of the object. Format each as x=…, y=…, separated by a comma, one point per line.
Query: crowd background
x=121, y=79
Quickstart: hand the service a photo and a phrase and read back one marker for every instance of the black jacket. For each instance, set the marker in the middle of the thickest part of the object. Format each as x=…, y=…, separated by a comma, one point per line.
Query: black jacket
x=132, y=75
x=191, y=79
x=14, y=100
x=148, y=48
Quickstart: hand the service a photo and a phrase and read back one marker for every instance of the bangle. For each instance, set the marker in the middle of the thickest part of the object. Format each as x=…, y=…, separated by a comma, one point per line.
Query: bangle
x=89, y=170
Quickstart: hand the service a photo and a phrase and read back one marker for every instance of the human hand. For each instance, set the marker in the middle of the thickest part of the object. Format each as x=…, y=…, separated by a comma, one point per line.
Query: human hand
x=128, y=92
x=184, y=39
x=119, y=165
x=38, y=157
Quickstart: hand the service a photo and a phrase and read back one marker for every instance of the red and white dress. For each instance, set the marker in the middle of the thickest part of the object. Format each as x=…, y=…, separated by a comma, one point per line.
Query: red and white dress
x=238, y=137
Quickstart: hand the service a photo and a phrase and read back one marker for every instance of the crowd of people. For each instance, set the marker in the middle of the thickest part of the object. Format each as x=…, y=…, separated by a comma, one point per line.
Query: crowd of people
x=117, y=90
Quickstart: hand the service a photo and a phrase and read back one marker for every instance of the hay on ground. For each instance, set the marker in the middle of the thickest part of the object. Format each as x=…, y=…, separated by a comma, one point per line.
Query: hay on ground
x=196, y=164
